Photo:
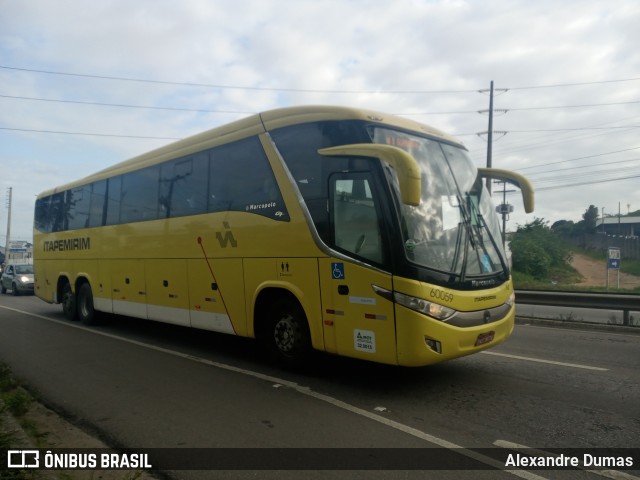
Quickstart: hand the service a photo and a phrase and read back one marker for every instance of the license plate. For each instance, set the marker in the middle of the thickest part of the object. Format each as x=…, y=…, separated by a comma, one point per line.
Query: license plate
x=485, y=338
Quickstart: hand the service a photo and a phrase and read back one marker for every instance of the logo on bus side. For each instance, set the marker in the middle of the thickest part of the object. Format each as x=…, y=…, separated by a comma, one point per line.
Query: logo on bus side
x=227, y=238
x=82, y=243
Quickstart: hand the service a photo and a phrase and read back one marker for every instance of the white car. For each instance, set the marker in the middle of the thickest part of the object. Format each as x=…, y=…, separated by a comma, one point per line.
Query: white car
x=18, y=279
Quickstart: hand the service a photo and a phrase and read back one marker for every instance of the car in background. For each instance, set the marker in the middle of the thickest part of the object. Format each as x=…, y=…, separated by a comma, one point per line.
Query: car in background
x=17, y=278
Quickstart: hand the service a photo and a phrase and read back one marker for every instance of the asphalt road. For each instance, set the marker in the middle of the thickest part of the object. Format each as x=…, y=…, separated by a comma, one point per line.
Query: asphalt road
x=143, y=384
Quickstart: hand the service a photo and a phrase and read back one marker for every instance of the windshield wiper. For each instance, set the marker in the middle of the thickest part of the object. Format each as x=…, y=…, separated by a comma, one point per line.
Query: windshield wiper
x=460, y=244
x=496, y=246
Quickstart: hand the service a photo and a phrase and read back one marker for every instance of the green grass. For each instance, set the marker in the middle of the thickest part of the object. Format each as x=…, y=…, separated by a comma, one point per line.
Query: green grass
x=560, y=278
x=566, y=278
x=13, y=401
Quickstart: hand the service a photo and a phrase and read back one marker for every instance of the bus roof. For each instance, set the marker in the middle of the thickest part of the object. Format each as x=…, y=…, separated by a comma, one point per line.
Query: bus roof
x=254, y=125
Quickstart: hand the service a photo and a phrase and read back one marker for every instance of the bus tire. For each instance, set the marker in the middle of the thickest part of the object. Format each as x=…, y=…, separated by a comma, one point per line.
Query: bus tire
x=286, y=336
x=69, y=302
x=86, y=312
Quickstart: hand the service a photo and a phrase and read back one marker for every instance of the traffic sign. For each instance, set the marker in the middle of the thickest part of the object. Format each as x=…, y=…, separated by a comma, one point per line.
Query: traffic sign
x=614, y=258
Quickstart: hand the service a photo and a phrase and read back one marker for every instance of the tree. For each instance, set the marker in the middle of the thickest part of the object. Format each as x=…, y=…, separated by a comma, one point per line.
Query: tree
x=564, y=228
x=590, y=217
x=535, y=249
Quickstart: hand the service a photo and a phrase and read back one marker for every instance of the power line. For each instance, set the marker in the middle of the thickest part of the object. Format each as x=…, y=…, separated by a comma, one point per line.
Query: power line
x=233, y=87
x=517, y=109
x=608, y=164
x=121, y=105
x=572, y=129
x=202, y=110
x=87, y=134
x=545, y=130
x=580, y=158
x=593, y=182
x=301, y=90
x=578, y=84
x=602, y=173
x=543, y=141
x=573, y=106
x=176, y=138
x=182, y=109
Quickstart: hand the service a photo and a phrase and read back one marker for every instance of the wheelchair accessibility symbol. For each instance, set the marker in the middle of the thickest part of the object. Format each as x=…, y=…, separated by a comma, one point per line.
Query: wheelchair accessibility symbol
x=337, y=271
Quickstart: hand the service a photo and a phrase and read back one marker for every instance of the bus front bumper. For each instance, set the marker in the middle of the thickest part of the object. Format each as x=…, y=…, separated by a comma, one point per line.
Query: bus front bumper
x=423, y=340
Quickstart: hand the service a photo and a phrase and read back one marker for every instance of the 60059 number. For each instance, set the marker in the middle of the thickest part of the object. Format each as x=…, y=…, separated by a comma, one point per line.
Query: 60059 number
x=441, y=295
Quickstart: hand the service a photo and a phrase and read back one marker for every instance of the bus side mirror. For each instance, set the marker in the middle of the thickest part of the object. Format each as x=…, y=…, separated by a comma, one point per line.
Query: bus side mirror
x=406, y=167
x=516, y=179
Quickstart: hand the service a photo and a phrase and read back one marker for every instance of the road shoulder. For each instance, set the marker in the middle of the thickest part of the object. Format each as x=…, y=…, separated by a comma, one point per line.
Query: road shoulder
x=42, y=428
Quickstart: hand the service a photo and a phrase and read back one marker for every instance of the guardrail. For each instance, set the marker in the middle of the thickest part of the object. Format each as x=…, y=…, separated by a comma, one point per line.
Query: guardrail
x=609, y=301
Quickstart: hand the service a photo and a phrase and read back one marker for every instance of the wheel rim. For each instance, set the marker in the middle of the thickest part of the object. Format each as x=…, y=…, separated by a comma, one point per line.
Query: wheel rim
x=84, y=308
x=286, y=334
x=67, y=301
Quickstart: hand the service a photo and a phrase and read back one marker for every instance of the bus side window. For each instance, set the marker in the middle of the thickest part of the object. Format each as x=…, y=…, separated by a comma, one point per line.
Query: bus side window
x=139, y=200
x=114, y=191
x=78, y=204
x=183, y=186
x=241, y=179
x=97, y=208
x=57, y=212
x=42, y=220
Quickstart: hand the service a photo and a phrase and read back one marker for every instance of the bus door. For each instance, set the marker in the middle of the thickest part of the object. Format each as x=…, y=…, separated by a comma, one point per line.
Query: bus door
x=357, y=320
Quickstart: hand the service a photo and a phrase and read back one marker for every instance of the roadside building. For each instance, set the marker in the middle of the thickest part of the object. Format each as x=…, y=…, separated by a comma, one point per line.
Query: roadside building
x=628, y=226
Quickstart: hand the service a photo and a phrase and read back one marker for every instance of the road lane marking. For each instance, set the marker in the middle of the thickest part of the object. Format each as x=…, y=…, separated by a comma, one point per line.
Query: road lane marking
x=614, y=474
x=307, y=392
x=580, y=331
x=552, y=362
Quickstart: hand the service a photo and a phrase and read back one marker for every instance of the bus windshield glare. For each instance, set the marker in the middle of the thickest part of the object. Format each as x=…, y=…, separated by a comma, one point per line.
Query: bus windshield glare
x=454, y=229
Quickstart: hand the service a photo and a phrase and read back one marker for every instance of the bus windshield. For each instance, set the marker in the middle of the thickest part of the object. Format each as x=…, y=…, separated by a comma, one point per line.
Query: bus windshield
x=453, y=229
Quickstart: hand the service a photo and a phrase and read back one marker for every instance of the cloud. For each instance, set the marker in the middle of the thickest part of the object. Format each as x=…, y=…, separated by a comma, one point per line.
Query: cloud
x=386, y=56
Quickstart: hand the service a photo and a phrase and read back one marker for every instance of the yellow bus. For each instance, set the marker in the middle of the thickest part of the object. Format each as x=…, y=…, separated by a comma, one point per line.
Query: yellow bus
x=323, y=228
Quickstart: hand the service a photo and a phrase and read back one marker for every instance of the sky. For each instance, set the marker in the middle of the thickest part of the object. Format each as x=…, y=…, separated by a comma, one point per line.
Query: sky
x=84, y=85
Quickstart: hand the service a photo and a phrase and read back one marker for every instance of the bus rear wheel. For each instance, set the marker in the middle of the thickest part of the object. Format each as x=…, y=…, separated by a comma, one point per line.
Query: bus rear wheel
x=86, y=312
x=68, y=302
x=287, y=338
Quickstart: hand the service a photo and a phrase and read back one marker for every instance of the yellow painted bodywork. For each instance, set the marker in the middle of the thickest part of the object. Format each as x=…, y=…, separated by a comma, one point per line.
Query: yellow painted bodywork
x=414, y=328
x=185, y=270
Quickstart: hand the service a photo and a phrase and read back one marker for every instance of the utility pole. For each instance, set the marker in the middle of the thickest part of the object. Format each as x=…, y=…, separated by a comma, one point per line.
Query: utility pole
x=490, y=135
x=6, y=246
x=490, y=132
x=619, y=218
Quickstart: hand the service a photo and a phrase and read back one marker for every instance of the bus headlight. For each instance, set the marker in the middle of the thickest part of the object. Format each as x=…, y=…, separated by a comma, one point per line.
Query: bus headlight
x=423, y=306
x=511, y=300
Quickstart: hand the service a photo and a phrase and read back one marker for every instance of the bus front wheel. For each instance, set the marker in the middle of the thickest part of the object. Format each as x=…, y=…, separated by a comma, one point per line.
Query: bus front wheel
x=68, y=302
x=287, y=337
x=86, y=312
